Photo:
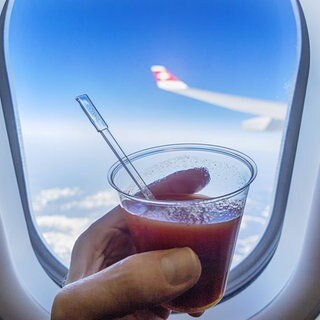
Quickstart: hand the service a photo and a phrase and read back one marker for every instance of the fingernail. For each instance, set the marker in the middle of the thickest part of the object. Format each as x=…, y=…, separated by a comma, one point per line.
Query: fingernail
x=204, y=177
x=180, y=266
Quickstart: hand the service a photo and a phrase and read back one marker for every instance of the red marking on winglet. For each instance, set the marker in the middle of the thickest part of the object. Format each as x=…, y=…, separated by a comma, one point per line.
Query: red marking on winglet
x=164, y=75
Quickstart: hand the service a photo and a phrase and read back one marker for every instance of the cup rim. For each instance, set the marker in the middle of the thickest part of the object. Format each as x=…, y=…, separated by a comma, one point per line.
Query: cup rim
x=187, y=146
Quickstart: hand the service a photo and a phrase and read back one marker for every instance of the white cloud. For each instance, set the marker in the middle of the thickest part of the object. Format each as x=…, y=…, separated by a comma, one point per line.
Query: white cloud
x=244, y=247
x=60, y=232
x=250, y=219
x=266, y=212
x=47, y=196
x=60, y=244
x=63, y=223
x=101, y=199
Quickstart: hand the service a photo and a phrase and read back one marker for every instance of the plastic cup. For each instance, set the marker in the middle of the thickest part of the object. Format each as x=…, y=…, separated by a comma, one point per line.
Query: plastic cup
x=207, y=222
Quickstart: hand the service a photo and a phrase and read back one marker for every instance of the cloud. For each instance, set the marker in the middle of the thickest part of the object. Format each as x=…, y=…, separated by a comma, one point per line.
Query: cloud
x=266, y=212
x=57, y=200
x=60, y=244
x=100, y=199
x=47, y=196
x=60, y=229
x=68, y=212
x=62, y=223
x=60, y=232
x=249, y=220
x=244, y=247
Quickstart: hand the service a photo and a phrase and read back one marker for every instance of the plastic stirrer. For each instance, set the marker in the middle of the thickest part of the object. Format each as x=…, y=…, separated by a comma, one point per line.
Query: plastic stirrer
x=102, y=127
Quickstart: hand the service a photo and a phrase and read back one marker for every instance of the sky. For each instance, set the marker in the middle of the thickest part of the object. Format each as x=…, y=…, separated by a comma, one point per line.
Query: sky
x=106, y=48
x=62, y=48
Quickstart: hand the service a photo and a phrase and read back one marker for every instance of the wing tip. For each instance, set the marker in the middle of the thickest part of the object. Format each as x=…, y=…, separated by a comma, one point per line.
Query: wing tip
x=166, y=80
x=157, y=68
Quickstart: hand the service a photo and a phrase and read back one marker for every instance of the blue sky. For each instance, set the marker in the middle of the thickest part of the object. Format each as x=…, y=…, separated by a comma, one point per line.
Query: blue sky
x=59, y=49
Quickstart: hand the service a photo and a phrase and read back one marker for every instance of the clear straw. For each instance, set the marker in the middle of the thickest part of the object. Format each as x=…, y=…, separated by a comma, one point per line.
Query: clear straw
x=102, y=127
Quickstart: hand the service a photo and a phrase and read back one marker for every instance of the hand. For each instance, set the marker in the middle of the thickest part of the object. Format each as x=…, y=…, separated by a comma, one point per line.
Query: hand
x=107, y=280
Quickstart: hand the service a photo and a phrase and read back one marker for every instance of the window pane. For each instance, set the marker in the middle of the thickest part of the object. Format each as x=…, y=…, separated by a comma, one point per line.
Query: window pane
x=59, y=49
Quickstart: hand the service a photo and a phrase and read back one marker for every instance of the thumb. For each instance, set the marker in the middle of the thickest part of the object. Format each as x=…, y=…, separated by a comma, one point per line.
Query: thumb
x=137, y=282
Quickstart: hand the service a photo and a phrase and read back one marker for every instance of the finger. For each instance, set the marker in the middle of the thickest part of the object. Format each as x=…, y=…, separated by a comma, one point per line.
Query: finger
x=184, y=181
x=88, y=253
x=135, y=283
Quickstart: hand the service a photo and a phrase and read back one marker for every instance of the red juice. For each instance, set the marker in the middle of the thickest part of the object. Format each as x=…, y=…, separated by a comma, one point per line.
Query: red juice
x=213, y=243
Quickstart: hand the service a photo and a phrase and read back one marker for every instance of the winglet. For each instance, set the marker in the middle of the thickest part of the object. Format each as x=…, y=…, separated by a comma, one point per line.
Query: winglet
x=166, y=80
x=262, y=124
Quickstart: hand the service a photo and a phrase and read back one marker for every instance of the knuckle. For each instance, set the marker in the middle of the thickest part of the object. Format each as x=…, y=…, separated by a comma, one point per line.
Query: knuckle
x=82, y=238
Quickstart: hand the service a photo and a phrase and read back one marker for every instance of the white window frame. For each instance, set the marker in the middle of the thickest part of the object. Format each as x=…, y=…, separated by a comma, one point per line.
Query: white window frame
x=287, y=288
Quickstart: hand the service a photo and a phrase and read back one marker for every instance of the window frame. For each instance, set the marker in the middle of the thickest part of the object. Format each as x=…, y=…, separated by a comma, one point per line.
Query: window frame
x=54, y=268
x=257, y=260
x=262, y=254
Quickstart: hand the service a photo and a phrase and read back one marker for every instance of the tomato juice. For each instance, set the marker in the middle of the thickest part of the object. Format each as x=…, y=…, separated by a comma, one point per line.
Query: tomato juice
x=213, y=243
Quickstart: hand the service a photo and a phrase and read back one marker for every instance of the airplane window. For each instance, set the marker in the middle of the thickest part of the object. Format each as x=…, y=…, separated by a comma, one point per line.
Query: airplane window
x=216, y=72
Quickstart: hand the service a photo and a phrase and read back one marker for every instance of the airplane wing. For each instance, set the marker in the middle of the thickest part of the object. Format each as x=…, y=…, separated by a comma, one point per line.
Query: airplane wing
x=270, y=113
x=166, y=80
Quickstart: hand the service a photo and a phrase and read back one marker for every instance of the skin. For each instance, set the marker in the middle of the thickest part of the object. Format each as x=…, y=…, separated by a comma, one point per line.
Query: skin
x=108, y=280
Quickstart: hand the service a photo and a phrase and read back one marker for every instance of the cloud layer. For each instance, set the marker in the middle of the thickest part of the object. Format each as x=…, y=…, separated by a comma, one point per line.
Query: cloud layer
x=98, y=200
x=64, y=213
x=60, y=232
x=47, y=196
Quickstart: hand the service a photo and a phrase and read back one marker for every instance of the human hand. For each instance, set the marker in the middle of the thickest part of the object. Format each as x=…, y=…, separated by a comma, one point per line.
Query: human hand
x=107, y=280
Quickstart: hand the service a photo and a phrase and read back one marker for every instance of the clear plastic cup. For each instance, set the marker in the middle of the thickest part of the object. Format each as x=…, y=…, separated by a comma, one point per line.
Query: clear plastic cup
x=207, y=222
